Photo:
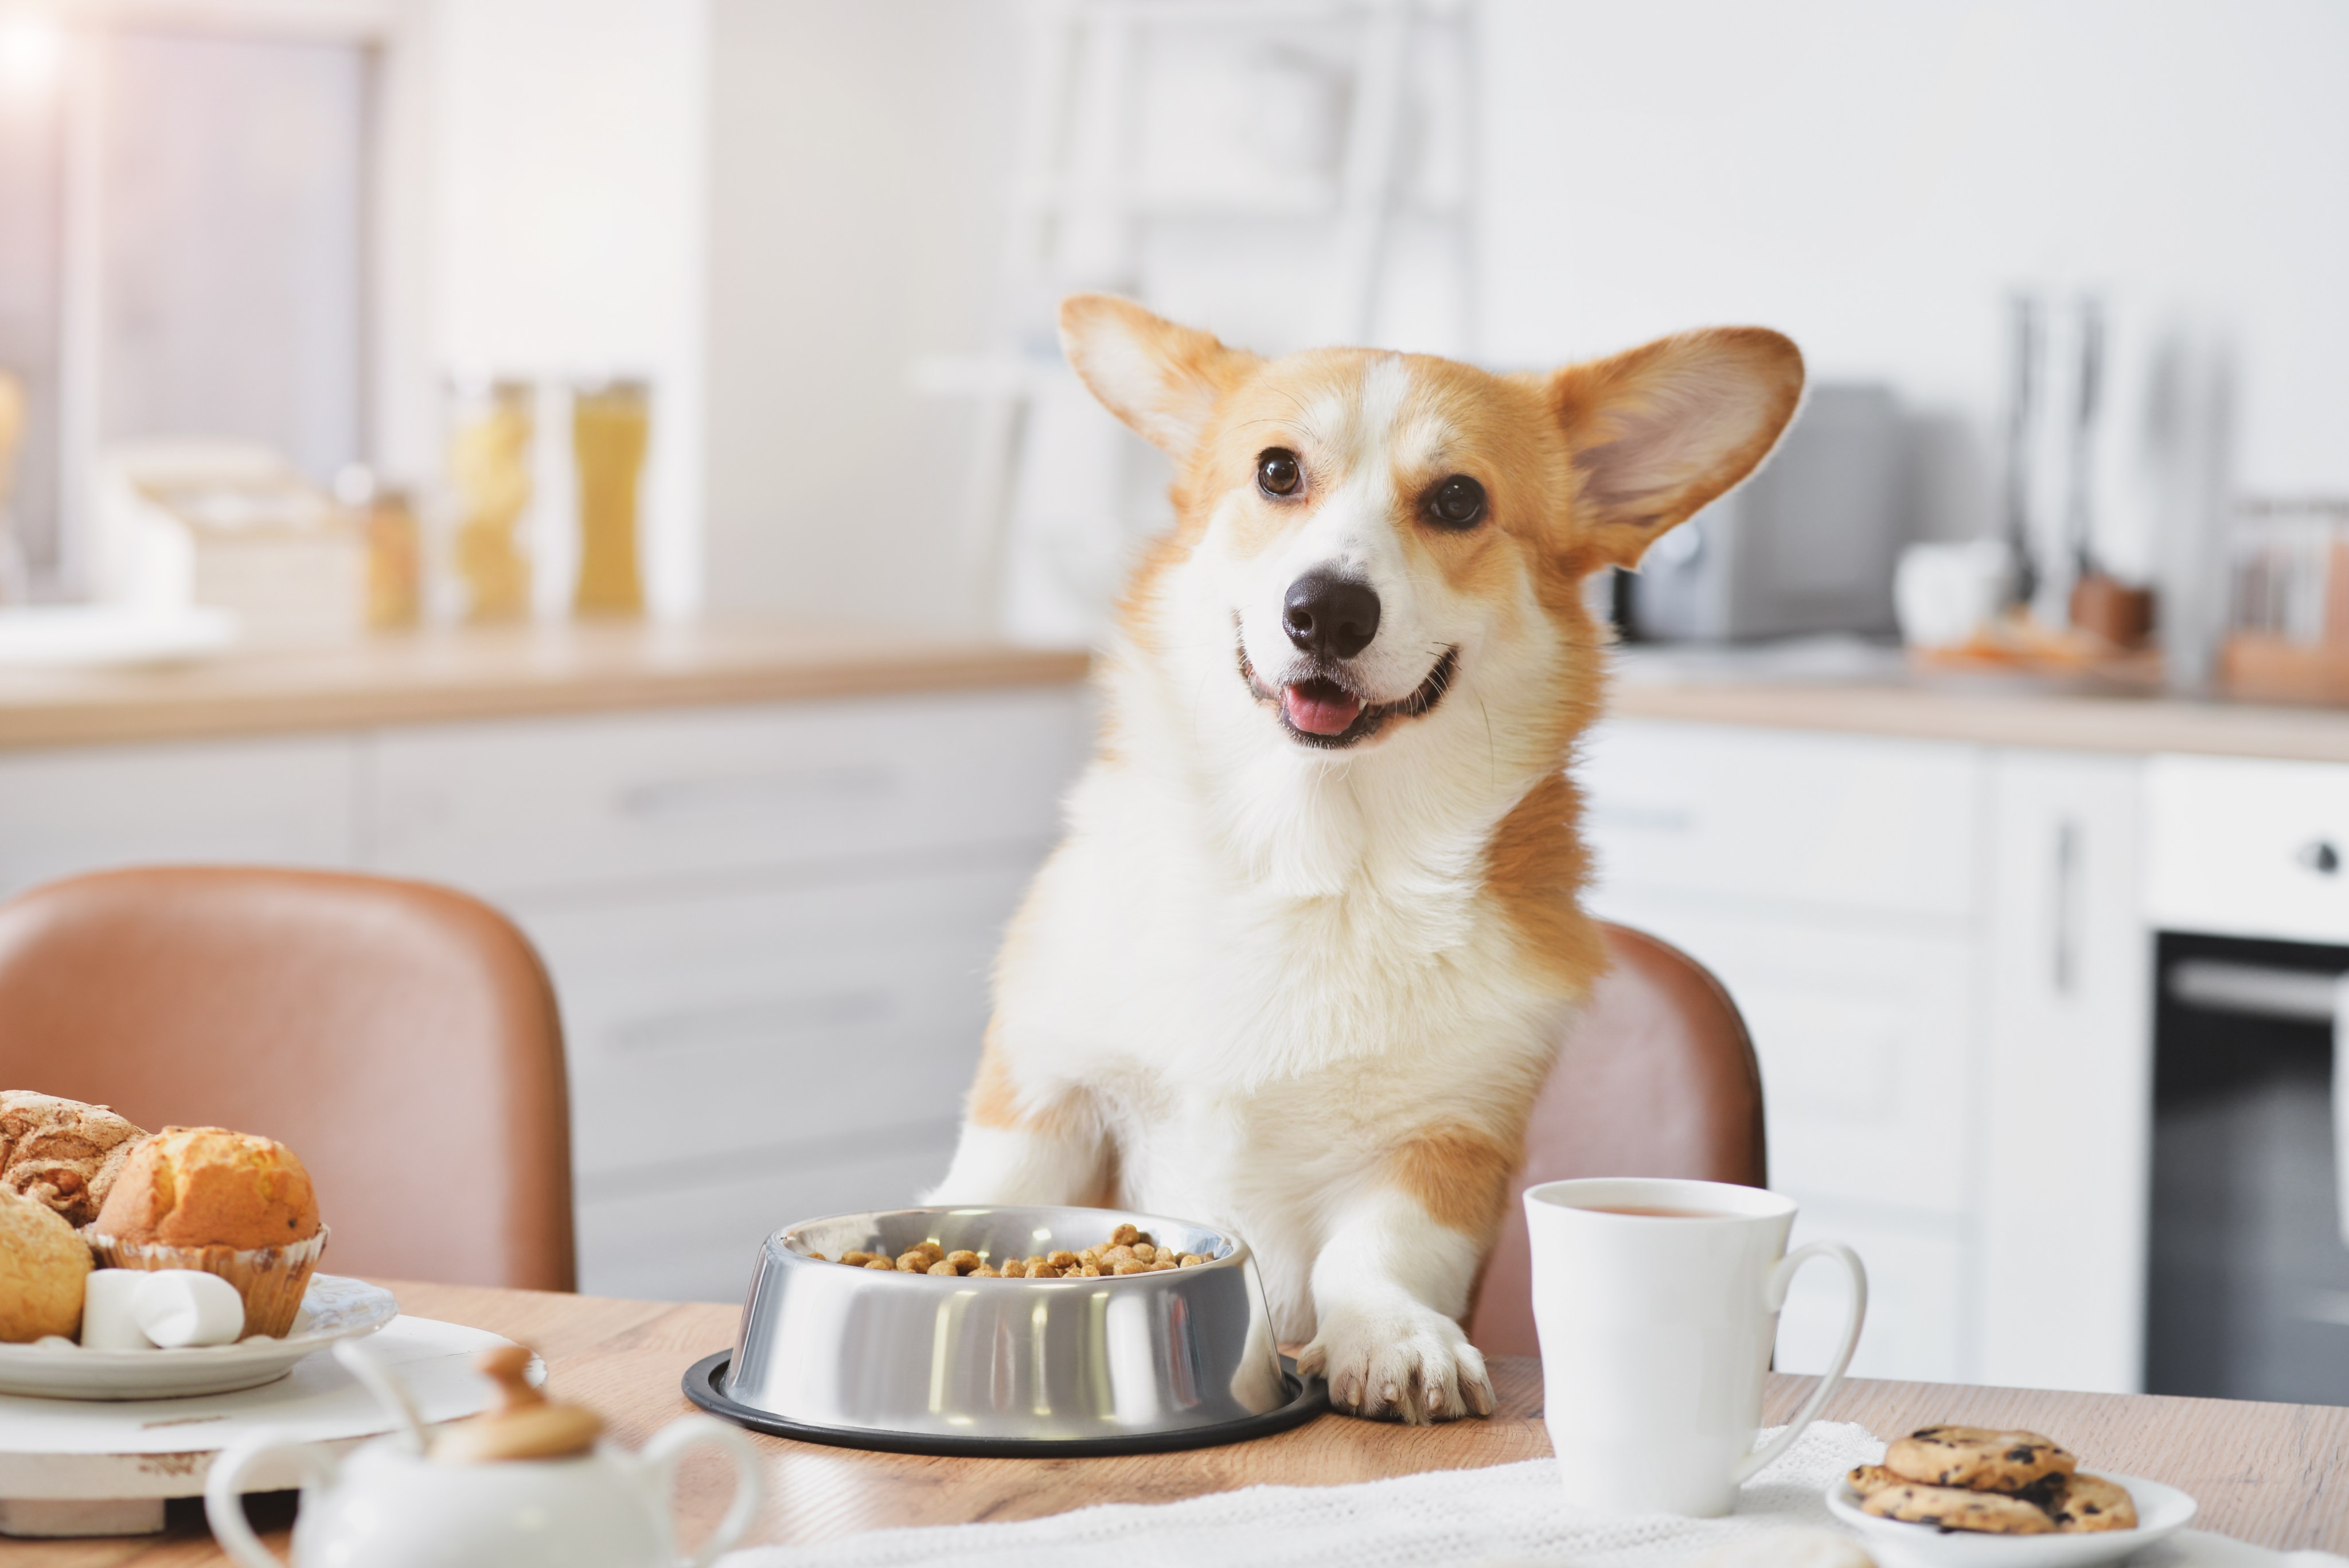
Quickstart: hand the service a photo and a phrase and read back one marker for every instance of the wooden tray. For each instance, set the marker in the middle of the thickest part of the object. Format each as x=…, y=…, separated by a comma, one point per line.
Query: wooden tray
x=2270, y=669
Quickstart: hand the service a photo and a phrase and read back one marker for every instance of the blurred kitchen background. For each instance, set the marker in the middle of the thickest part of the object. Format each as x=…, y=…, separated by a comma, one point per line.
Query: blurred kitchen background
x=612, y=456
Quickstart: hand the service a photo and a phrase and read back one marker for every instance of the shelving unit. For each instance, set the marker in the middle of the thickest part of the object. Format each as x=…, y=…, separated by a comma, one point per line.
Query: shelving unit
x=1084, y=203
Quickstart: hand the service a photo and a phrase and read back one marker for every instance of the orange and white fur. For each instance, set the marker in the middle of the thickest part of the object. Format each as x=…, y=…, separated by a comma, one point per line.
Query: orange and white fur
x=1304, y=956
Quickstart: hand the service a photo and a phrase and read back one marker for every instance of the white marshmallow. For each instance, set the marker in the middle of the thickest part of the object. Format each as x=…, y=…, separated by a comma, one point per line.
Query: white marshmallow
x=109, y=1322
x=179, y=1307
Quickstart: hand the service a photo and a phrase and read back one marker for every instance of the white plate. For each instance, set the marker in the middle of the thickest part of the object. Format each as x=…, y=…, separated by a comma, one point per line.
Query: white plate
x=2161, y=1510
x=103, y=637
x=334, y=1307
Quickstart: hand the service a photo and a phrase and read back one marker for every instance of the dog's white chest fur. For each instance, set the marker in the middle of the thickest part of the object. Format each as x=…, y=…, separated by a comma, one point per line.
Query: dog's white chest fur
x=1252, y=1035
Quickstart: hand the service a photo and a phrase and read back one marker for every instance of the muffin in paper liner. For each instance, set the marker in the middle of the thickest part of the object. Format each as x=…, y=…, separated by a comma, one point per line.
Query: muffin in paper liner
x=270, y=1279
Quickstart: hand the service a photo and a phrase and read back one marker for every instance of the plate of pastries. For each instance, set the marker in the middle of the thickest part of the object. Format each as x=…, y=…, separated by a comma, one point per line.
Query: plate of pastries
x=138, y=1266
x=1974, y=1497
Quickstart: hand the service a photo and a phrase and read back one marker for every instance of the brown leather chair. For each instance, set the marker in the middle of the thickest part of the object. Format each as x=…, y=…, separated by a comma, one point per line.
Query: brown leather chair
x=401, y=1038
x=1657, y=1078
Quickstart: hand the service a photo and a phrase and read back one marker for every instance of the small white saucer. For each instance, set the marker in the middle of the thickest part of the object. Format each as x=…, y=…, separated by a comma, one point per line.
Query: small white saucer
x=2161, y=1511
x=334, y=1307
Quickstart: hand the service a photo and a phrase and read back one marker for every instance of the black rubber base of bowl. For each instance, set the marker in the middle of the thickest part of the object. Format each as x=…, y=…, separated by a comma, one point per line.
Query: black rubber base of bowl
x=703, y=1383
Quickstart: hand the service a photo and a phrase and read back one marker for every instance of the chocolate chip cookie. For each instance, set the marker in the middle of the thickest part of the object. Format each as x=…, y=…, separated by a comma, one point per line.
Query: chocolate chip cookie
x=2085, y=1502
x=1952, y=1508
x=1868, y=1479
x=1977, y=1457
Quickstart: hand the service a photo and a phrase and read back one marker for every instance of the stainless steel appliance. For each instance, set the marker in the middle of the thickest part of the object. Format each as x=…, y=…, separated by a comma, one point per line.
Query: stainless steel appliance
x=2249, y=1291
x=1807, y=545
x=2246, y=877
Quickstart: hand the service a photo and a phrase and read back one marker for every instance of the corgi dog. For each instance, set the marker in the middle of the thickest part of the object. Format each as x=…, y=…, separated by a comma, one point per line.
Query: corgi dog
x=1304, y=956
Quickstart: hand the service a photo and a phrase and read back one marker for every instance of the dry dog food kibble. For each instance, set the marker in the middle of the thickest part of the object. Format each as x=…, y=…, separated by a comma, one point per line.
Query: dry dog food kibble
x=1128, y=1250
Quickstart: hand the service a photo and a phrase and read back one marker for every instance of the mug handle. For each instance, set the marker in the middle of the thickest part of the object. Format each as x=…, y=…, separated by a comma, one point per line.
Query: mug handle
x=669, y=1445
x=1775, y=1295
x=224, y=1499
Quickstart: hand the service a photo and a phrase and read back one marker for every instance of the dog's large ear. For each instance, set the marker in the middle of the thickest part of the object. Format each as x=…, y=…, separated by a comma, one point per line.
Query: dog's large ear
x=1659, y=430
x=1163, y=379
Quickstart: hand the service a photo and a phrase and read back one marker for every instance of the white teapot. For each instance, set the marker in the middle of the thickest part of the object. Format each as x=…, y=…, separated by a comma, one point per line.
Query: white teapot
x=523, y=1485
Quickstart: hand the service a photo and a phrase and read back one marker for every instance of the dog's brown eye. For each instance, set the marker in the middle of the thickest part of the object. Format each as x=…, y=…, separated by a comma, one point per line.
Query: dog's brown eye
x=1457, y=503
x=1277, y=472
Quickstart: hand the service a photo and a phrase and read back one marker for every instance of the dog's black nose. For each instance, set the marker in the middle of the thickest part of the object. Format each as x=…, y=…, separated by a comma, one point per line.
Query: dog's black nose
x=1332, y=616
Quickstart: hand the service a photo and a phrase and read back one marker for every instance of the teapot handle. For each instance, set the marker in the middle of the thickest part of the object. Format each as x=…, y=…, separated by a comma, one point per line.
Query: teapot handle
x=660, y=1457
x=224, y=1499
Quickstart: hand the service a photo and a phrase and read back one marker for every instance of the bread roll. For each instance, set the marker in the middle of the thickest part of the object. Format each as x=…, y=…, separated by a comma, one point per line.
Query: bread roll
x=42, y=1266
x=62, y=1153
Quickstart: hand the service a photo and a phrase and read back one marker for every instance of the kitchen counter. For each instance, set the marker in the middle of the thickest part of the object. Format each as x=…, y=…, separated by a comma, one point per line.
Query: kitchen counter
x=1856, y=689
x=455, y=674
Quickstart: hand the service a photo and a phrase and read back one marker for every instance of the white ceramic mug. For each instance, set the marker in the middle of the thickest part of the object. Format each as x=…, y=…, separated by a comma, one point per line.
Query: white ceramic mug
x=1656, y=1330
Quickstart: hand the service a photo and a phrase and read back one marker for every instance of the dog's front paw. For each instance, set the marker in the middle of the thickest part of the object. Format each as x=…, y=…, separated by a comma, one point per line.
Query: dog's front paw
x=1402, y=1363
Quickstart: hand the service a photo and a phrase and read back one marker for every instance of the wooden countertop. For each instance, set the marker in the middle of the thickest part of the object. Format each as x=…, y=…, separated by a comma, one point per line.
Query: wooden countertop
x=1881, y=695
x=454, y=675
x=2272, y=1474
x=439, y=676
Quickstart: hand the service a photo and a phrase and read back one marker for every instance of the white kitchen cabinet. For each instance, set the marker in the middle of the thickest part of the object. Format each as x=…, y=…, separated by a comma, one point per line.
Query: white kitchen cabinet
x=532, y=807
x=711, y=1024
x=768, y=925
x=260, y=802
x=1860, y=1031
x=2066, y=1066
x=1943, y=957
x=1777, y=819
x=694, y=1237
x=2248, y=848
x=1834, y=884
x=1919, y=1294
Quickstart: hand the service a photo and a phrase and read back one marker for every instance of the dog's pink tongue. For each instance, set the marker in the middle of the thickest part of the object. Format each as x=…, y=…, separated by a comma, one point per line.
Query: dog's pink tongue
x=1324, y=712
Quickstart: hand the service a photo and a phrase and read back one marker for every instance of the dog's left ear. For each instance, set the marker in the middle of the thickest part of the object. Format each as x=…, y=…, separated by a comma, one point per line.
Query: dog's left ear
x=1659, y=431
x=1163, y=379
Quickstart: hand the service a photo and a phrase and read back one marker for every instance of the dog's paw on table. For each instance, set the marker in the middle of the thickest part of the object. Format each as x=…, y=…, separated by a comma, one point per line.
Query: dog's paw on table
x=1410, y=1365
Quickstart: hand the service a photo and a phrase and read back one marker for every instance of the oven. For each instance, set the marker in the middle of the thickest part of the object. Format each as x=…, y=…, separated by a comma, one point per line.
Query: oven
x=2248, y=1260
x=2248, y=1294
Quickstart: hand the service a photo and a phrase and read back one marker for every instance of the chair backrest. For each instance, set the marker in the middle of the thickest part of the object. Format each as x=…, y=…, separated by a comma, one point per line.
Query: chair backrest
x=1657, y=1077
x=401, y=1038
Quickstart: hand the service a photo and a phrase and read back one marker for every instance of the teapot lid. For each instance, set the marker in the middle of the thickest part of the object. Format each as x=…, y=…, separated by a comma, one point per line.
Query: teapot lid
x=522, y=1425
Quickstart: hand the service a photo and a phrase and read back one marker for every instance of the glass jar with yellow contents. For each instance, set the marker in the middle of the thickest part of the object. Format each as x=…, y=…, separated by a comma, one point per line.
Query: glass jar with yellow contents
x=491, y=425
x=610, y=431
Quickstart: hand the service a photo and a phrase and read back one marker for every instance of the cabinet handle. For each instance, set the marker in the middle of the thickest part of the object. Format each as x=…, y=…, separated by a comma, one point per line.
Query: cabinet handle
x=757, y=793
x=2320, y=857
x=767, y=1021
x=1642, y=818
x=2065, y=955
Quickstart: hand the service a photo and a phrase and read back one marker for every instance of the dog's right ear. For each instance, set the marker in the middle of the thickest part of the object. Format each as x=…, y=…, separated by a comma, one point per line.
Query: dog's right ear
x=1162, y=379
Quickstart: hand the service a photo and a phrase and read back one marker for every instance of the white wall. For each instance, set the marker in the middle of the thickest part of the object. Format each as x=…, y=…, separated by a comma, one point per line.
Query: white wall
x=568, y=156
x=1872, y=178
x=859, y=156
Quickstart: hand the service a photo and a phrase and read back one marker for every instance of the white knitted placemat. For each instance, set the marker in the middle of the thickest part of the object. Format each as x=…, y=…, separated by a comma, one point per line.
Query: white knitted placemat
x=1438, y=1519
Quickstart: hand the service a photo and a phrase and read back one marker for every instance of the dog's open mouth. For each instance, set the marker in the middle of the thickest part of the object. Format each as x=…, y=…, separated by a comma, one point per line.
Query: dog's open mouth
x=1321, y=710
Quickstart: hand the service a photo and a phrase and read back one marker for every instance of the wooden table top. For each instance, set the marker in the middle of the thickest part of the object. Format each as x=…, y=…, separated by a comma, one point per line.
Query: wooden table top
x=2273, y=1474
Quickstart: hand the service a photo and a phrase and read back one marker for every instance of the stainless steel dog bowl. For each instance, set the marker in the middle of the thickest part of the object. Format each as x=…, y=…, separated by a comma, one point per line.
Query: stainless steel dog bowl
x=931, y=1364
